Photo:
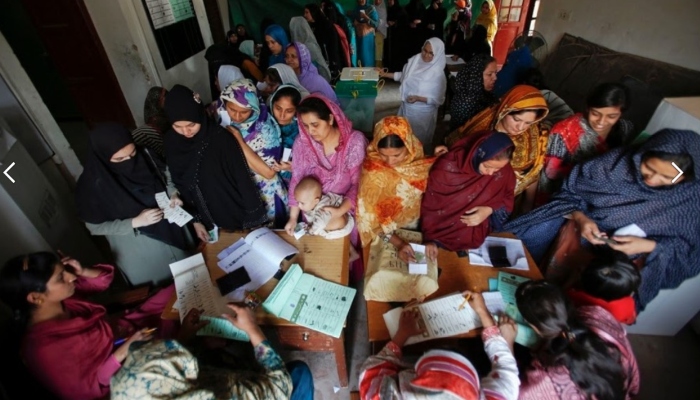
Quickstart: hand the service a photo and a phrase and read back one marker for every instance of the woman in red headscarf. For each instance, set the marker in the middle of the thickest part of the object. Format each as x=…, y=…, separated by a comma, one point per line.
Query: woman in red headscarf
x=469, y=188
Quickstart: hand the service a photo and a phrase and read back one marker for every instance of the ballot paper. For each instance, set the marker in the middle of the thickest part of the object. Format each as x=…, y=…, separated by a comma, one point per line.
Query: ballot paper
x=450, y=61
x=514, y=249
x=174, y=215
x=194, y=288
x=287, y=155
x=420, y=266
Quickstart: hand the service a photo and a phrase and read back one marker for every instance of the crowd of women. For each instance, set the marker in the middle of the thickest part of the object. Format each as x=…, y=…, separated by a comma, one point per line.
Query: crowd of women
x=581, y=196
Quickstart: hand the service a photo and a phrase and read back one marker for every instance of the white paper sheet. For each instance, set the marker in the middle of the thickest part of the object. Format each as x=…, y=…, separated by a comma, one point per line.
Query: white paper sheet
x=287, y=155
x=420, y=267
x=260, y=253
x=630, y=230
x=174, y=215
x=514, y=250
x=494, y=302
x=441, y=317
x=449, y=61
x=194, y=289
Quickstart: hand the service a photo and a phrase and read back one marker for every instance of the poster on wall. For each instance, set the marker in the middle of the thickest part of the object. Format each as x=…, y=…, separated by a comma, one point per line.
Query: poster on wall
x=168, y=12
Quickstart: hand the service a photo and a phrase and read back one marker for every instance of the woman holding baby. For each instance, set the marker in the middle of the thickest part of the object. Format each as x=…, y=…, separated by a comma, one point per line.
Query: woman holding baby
x=328, y=149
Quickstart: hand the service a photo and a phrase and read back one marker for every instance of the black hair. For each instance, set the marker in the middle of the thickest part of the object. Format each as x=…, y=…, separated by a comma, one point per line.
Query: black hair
x=505, y=154
x=609, y=94
x=683, y=160
x=593, y=364
x=316, y=106
x=290, y=92
x=316, y=13
x=539, y=112
x=241, y=25
x=23, y=275
x=534, y=77
x=610, y=276
x=274, y=75
x=391, y=141
x=230, y=33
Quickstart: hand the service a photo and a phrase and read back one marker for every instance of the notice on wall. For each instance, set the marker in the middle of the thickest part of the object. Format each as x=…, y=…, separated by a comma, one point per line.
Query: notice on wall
x=168, y=12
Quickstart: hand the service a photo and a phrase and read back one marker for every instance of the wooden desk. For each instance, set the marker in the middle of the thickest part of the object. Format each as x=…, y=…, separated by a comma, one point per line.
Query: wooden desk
x=456, y=275
x=326, y=259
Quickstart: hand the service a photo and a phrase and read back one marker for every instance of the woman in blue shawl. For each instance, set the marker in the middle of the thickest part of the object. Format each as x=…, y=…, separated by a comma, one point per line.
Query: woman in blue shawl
x=366, y=21
x=276, y=40
x=260, y=139
x=628, y=187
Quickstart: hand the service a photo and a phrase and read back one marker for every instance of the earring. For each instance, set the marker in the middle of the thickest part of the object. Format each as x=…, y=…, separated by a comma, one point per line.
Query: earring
x=40, y=301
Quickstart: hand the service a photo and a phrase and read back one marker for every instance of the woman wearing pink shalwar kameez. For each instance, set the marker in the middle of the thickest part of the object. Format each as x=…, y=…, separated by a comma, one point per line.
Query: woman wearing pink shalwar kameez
x=68, y=343
x=328, y=149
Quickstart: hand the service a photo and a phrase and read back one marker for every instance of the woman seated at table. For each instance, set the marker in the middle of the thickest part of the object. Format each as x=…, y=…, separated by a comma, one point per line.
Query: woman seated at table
x=469, y=190
x=297, y=56
x=518, y=115
x=328, y=149
x=168, y=370
x=585, y=352
x=423, y=86
x=209, y=168
x=634, y=191
x=261, y=142
x=443, y=374
x=473, y=89
x=394, y=177
x=584, y=136
x=68, y=343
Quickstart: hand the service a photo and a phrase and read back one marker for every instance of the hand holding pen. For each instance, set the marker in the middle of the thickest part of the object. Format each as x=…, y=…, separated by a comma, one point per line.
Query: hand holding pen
x=140, y=336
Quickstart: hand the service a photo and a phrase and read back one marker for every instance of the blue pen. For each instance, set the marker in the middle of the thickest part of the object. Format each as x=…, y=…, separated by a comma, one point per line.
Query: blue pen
x=122, y=340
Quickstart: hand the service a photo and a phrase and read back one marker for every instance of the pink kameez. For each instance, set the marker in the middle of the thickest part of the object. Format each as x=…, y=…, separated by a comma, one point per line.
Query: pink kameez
x=73, y=358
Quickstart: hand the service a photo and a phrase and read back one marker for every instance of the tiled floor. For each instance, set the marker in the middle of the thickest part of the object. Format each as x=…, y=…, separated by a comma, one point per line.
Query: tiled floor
x=669, y=366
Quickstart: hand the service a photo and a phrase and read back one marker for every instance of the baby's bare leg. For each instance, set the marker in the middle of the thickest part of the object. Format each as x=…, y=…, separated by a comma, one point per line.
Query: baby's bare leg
x=337, y=223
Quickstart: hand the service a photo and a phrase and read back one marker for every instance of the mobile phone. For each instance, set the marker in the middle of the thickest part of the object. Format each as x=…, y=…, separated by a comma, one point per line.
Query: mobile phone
x=233, y=280
x=499, y=256
x=607, y=241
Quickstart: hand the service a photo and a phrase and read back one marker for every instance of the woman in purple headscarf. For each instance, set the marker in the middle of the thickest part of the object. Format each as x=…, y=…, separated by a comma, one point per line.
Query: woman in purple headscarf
x=299, y=59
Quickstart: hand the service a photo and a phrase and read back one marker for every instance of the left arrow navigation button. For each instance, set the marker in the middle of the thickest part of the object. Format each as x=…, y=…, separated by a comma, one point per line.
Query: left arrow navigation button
x=7, y=174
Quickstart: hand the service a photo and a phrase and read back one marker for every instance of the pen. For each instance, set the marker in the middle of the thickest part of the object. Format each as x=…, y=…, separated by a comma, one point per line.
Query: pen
x=122, y=340
x=466, y=300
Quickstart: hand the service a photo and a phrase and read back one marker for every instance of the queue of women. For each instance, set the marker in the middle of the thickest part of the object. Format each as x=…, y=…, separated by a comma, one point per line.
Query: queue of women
x=501, y=170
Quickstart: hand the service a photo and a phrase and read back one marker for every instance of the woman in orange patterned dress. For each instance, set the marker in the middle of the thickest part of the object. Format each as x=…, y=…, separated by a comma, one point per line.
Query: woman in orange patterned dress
x=394, y=177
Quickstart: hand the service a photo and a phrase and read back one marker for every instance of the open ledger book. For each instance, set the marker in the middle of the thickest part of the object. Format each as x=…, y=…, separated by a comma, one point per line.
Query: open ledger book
x=440, y=318
x=311, y=302
x=260, y=253
x=195, y=290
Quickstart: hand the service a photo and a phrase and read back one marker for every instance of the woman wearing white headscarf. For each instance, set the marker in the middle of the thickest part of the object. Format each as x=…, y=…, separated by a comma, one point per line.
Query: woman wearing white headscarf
x=301, y=32
x=423, y=86
x=277, y=75
x=247, y=47
x=224, y=77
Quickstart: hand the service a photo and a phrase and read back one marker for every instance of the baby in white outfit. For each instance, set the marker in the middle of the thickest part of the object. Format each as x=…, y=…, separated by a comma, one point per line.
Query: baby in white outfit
x=312, y=201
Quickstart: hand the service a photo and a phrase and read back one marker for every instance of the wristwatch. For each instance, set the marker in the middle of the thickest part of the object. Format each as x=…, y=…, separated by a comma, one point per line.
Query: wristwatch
x=387, y=237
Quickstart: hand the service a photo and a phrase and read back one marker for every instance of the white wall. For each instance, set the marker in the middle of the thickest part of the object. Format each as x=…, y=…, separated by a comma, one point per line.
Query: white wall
x=127, y=38
x=663, y=30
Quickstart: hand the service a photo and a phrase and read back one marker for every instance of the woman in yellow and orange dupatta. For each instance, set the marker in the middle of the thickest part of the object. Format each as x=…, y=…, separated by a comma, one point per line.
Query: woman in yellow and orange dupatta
x=488, y=18
x=518, y=115
x=394, y=177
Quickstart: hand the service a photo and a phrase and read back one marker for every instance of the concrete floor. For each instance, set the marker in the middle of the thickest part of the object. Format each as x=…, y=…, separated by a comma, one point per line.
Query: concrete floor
x=667, y=364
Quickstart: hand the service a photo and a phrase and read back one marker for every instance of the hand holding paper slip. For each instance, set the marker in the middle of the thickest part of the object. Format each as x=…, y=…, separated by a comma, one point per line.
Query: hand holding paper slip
x=174, y=215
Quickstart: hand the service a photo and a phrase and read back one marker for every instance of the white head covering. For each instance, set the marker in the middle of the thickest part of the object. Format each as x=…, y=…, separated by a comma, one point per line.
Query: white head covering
x=427, y=79
x=290, y=78
x=247, y=47
x=228, y=74
x=301, y=32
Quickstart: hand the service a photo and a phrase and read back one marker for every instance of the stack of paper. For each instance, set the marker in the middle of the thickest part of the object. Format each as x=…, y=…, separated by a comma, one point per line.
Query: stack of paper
x=310, y=302
x=507, y=285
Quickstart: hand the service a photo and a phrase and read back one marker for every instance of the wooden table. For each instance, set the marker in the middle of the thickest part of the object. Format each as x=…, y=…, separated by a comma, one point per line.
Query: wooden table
x=456, y=275
x=326, y=259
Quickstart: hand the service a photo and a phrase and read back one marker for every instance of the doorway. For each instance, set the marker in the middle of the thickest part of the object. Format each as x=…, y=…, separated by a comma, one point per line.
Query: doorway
x=57, y=45
x=512, y=21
